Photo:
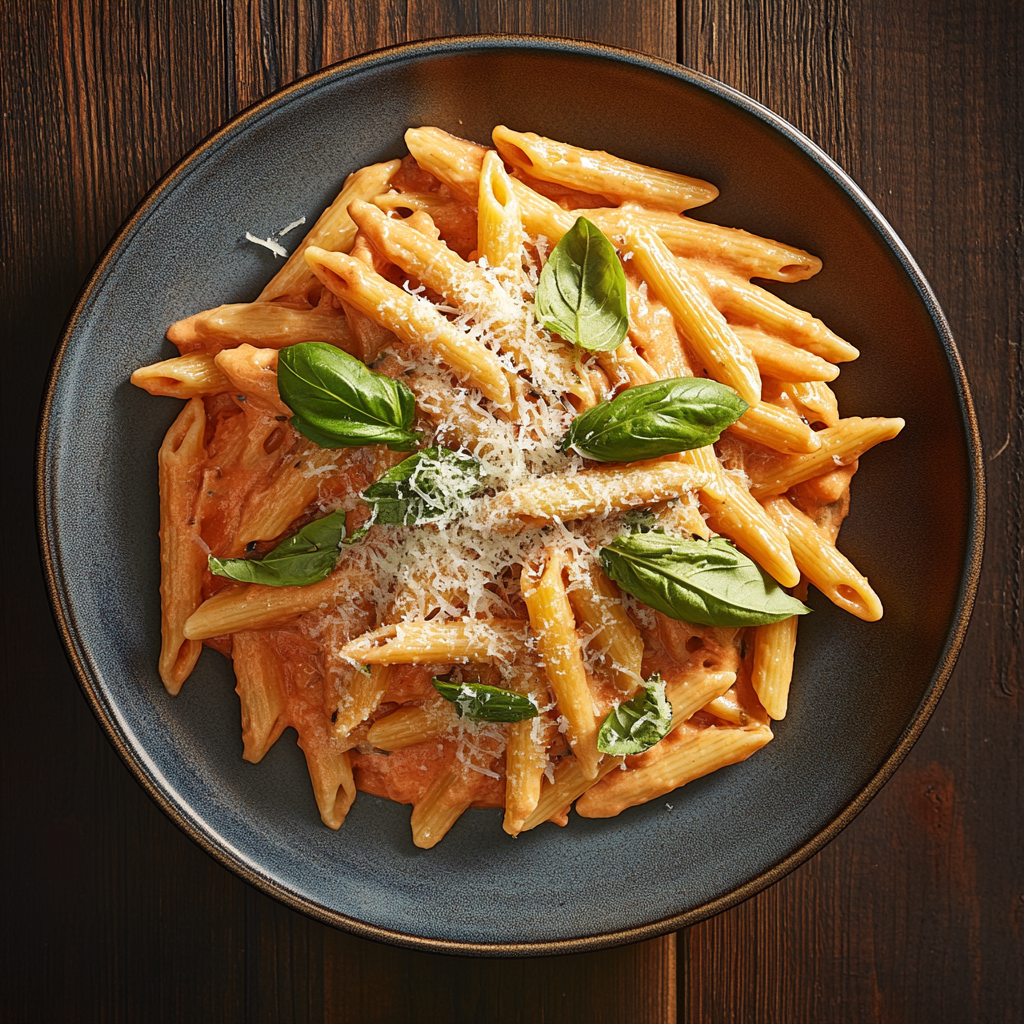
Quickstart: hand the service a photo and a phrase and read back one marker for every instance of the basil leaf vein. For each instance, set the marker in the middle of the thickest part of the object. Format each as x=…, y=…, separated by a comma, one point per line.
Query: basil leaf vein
x=705, y=582
x=639, y=723
x=581, y=294
x=304, y=558
x=481, y=703
x=338, y=402
x=430, y=484
x=655, y=419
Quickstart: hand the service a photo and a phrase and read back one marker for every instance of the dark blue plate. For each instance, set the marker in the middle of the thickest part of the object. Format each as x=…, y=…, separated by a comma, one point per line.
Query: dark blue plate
x=862, y=692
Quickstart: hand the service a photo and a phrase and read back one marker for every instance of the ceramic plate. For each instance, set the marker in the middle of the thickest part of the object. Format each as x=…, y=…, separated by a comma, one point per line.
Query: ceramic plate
x=862, y=692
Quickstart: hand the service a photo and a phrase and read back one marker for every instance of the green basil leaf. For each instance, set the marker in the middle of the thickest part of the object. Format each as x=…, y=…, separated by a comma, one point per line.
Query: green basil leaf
x=639, y=723
x=338, y=403
x=706, y=582
x=307, y=557
x=655, y=419
x=430, y=484
x=581, y=294
x=481, y=703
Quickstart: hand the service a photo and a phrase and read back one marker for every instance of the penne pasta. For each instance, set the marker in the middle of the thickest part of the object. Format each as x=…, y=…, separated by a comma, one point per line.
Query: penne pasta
x=476, y=523
x=183, y=377
x=182, y=560
x=688, y=754
x=819, y=560
x=592, y=492
x=333, y=231
x=413, y=320
x=481, y=641
x=703, y=328
x=261, y=692
x=264, y=325
x=558, y=646
x=840, y=445
x=601, y=173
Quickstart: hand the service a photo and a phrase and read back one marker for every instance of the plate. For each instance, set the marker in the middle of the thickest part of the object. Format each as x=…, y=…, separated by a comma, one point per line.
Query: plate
x=862, y=692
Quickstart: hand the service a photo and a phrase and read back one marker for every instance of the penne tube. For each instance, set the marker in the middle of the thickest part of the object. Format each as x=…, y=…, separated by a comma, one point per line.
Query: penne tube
x=597, y=602
x=702, y=326
x=479, y=641
x=293, y=486
x=330, y=772
x=182, y=377
x=362, y=693
x=252, y=372
x=253, y=606
x=413, y=320
x=182, y=559
x=262, y=324
x=499, y=223
x=772, y=672
x=746, y=303
x=777, y=358
x=734, y=513
x=569, y=784
x=589, y=493
x=776, y=428
x=682, y=518
x=558, y=647
x=261, y=692
x=840, y=445
x=728, y=708
x=822, y=563
x=601, y=173
x=410, y=725
x=731, y=249
x=625, y=365
x=688, y=754
x=333, y=231
x=526, y=745
x=448, y=798
x=451, y=160
x=815, y=401
x=421, y=221
x=653, y=332
x=411, y=202
x=689, y=693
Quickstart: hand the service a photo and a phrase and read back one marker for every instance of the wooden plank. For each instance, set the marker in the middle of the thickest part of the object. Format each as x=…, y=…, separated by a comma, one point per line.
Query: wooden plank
x=109, y=912
x=914, y=914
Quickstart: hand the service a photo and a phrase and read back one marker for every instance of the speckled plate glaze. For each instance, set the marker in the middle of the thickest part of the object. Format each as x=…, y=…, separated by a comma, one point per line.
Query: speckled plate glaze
x=862, y=692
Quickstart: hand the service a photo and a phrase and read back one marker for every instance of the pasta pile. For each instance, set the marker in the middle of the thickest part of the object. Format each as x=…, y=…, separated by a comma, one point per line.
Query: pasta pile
x=507, y=489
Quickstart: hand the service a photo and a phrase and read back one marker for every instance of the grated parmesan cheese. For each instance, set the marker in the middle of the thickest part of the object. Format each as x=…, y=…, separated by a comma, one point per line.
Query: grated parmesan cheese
x=267, y=243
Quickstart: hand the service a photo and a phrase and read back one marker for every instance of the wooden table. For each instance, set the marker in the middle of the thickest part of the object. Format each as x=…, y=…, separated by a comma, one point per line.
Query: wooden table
x=916, y=913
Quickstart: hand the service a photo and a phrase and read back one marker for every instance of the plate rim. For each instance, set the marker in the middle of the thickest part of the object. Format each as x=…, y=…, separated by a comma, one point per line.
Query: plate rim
x=107, y=715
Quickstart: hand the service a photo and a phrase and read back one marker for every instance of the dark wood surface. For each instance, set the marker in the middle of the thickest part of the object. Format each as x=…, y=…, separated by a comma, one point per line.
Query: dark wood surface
x=914, y=914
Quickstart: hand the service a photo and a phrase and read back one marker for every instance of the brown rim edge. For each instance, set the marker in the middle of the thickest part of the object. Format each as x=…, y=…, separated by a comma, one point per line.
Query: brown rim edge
x=64, y=618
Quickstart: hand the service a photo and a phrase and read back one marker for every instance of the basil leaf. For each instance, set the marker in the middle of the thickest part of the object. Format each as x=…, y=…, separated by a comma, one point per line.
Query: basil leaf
x=481, y=703
x=307, y=557
x=338, y=403
x=581, y=294
x=655, y=419
x=637, y=724
x=706, y=582
x=427, y=485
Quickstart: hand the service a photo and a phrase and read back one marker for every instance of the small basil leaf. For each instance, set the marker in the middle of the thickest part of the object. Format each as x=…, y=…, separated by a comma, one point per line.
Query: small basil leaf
x=481, y=703
x=705, y=582
x=338, y=403
x=581, y=294
x=655, y=419
x=637, y=724
x=307, y=557
x=430, y=484
x=640, y=520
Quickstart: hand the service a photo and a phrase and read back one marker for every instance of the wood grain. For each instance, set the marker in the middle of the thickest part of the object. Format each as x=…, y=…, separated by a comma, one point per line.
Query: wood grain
x=915, y=914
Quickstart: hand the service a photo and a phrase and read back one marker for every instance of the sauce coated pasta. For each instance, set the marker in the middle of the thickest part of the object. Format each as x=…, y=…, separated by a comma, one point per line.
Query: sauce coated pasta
x=508, y=488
